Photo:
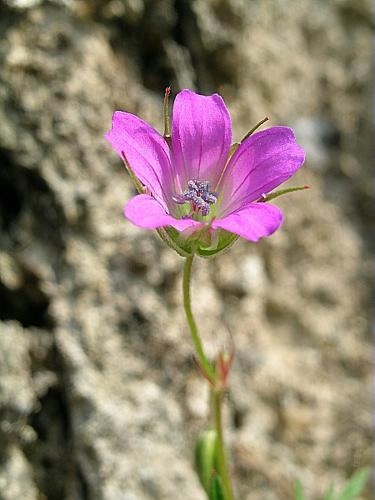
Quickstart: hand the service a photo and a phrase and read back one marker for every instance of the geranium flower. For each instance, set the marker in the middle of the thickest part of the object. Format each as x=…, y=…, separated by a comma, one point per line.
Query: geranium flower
x=193, y=183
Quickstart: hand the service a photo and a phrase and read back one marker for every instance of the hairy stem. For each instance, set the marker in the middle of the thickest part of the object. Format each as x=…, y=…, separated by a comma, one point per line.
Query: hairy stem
x=217, y=393
x=203, y=361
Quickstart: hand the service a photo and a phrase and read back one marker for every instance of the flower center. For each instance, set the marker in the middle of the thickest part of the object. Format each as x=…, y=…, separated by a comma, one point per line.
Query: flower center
x=199, y=195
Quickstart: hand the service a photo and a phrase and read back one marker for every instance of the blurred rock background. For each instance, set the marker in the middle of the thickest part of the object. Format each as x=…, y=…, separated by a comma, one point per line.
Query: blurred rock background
x=99, y=398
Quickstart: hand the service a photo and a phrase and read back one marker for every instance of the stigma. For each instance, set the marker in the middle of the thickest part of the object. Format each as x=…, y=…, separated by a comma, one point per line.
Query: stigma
x=198, y=194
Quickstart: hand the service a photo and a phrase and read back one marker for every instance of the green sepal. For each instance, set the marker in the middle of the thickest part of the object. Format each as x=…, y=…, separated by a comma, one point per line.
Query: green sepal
x=137, y=183
x=183, y=246
x=252, y=130
x=223, y=241
x=205, y=458
x=167, y=124
x=236, y=145
x=168, y=236
x=233, y=149
x=216, y=491
x=203, y=243
x=281, y=192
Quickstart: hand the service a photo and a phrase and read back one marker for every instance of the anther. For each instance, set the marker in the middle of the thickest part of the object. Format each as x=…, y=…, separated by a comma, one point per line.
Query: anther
x=199, y=195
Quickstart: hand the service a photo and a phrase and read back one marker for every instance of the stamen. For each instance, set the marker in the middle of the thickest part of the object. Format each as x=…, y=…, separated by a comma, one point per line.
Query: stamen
x=199, y=195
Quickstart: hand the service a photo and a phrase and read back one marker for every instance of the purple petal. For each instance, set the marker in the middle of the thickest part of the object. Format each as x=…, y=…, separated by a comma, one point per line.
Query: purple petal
x=261, y=163
x=144, y=211
x=146, y=152
x=201, y=137
x=252, y=222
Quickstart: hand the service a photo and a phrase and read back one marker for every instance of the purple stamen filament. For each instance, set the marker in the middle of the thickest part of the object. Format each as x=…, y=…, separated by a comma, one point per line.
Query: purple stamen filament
x=199, y=196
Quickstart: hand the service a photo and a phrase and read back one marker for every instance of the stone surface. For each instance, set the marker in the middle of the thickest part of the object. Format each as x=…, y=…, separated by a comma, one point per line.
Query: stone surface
x=99, y=398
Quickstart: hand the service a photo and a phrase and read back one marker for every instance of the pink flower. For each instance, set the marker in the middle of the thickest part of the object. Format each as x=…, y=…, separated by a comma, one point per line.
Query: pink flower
x=191, y=185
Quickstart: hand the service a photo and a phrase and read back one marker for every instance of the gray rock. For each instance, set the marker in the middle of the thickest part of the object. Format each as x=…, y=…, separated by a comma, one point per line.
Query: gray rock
x=98, y=395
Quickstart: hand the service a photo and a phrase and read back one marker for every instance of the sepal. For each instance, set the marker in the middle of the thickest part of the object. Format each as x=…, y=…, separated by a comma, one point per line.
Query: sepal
x=222, y=241
x=281, y=192
x=223, y=365
x=203, y=242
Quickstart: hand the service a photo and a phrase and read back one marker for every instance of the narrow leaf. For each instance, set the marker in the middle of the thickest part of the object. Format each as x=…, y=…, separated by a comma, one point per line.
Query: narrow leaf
x=330, y=493
x=298, y=491
x=355, y=485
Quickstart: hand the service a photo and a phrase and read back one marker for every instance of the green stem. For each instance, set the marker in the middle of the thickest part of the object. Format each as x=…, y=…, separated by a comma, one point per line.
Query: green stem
x=221, y=456
x=205, y=364
x=217, y=393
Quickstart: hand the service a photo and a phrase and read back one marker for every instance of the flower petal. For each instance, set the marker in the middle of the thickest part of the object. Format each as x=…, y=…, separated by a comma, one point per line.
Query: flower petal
x=146, y=152
x=253, y=221
x=261, y=163
x=144, y=211
x=201, y=137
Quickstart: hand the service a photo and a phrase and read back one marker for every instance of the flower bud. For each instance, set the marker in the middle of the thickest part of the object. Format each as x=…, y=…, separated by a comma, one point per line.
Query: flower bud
x=216, y=491
x=205, y=457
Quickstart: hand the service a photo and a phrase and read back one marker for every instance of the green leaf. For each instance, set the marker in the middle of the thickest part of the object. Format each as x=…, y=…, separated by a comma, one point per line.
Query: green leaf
x=298, y=491
x=329, y=495
x=355, y=485
x=205, y=457
x=216, y=491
